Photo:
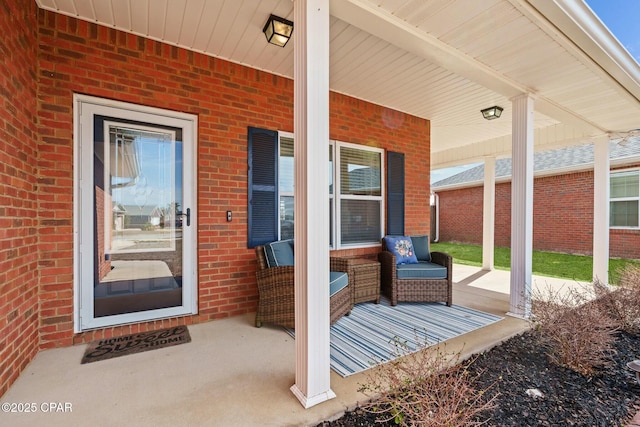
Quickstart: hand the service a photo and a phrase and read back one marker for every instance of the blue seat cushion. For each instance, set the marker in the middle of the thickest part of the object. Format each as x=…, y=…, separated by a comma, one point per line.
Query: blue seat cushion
x=421, y=247
x=421, y=270
x=337, y=281
x=279, y=253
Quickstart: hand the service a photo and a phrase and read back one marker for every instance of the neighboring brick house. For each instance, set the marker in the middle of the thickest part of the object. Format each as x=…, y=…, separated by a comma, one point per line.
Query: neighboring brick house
x=49, y=58
x=562, y=200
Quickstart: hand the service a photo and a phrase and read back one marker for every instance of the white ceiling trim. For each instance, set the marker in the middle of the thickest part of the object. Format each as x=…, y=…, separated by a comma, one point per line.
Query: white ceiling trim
x=549, y=108
x=385, y=26
x=442, y=60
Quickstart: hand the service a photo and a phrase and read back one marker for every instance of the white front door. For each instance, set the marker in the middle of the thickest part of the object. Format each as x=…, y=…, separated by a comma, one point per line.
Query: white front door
x=135, y=213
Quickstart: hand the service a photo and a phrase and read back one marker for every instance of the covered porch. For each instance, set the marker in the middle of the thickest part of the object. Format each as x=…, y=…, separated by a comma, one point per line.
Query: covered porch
x=407, y=77
x=231, y=373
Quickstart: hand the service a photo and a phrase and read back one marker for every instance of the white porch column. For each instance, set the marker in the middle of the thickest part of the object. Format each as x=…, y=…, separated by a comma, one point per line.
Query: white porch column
x=489, y=213
x=311, y=227
x=601, y=167
x=521, y=205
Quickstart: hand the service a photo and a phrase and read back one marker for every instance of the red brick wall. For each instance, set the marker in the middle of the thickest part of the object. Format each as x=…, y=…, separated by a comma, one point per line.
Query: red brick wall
x=562, y=217
x=79, y=57
x=459, y=211
x=563, y=213
x=359, y=122
x=502, y=235
x=624, y=244
x=18, y=189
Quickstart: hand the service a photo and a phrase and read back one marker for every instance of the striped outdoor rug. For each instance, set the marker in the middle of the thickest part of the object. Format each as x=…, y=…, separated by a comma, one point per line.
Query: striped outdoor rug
x=367, y=335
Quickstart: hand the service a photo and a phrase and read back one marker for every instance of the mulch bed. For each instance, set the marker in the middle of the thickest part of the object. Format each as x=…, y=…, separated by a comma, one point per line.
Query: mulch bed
x=611, y=397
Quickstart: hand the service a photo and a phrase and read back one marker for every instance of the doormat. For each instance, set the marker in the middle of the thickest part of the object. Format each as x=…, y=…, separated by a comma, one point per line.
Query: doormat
x=135, y=343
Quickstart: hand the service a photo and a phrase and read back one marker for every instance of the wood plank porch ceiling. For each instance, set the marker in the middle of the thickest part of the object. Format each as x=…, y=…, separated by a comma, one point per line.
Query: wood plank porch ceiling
x=443, y=60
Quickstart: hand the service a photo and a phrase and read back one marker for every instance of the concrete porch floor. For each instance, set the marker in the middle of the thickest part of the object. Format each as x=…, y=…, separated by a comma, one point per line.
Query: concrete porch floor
x=231, y=374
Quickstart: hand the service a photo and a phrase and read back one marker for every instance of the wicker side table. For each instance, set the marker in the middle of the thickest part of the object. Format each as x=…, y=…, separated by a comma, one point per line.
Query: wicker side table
x=364, y=275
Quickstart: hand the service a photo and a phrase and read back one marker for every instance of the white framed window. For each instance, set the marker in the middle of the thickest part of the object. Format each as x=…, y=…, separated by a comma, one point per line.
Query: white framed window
x=359, y=206
x=285, y=185
x=624, y=199
x=356, y=193
x=332, y=202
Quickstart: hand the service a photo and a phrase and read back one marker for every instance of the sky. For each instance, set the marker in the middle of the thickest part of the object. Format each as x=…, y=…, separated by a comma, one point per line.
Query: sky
x=622, y=17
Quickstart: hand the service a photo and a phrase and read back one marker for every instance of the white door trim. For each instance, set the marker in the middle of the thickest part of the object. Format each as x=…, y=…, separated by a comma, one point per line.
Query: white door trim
x=84, y=109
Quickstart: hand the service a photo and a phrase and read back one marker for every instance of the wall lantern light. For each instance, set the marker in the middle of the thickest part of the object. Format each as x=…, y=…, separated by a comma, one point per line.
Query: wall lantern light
x=278, y=30
x=492, y=112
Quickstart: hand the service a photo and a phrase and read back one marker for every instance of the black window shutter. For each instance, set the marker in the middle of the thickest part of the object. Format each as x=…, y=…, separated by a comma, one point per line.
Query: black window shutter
x=263, y=186
x=395, y=193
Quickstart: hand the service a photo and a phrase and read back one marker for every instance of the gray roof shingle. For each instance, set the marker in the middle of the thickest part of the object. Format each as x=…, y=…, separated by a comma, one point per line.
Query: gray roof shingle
x=548, y=161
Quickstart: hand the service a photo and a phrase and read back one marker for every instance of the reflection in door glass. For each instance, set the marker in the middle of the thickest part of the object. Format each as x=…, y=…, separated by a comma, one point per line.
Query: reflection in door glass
x=138, y=195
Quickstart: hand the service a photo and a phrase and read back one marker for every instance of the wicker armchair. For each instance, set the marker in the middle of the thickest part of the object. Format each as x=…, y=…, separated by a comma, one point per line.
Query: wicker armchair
x=415, y=289
x=276, y=304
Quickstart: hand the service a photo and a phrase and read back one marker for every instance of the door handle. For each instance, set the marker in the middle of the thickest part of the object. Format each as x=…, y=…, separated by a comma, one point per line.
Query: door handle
x=187, y=214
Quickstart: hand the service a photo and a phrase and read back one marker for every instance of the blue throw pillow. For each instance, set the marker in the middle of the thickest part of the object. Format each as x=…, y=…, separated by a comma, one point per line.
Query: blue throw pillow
x=421, y=247
x=402, y=248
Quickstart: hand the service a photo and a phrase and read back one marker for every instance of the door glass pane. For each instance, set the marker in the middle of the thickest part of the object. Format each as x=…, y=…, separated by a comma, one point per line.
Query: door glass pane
x=138, y=207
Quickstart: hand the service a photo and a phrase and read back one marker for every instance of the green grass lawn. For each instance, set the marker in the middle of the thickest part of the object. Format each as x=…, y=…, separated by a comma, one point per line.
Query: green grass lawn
x=551, y=264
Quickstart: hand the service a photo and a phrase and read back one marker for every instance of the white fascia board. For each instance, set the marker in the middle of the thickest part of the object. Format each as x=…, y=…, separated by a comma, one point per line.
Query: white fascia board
x=624, y=161
x=469, y=184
